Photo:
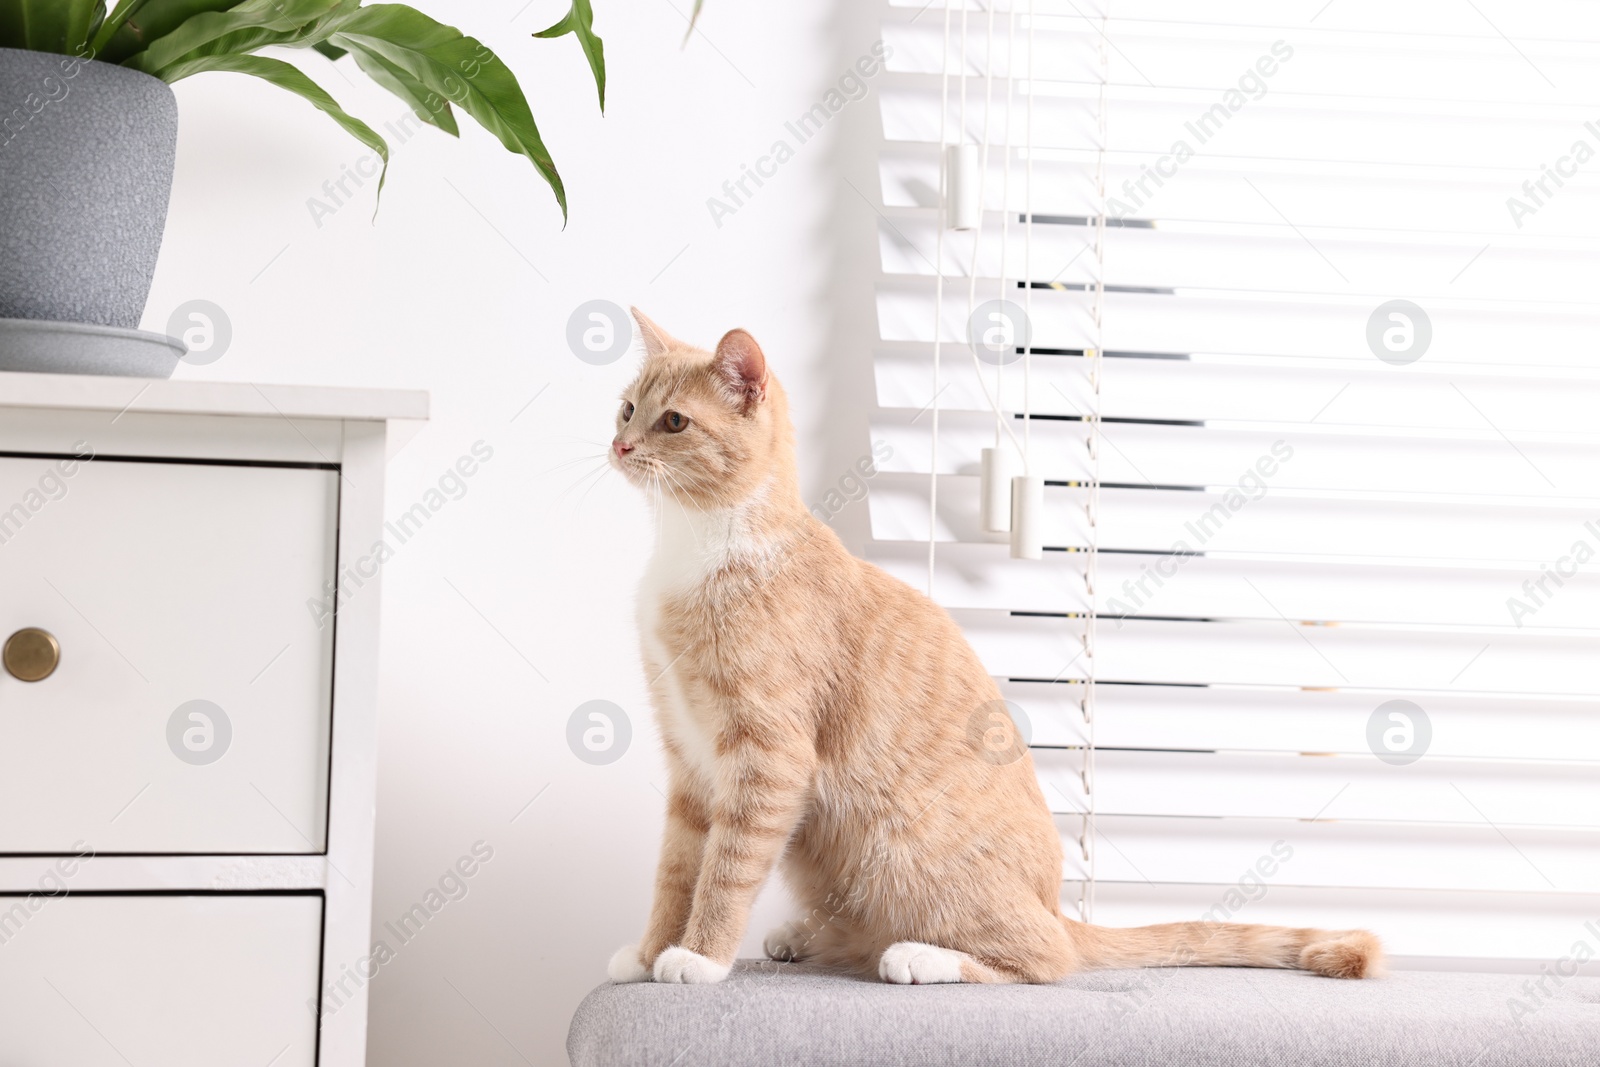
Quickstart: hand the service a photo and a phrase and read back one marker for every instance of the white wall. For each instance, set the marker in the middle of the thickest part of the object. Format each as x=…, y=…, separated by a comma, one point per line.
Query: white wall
x=466, y=292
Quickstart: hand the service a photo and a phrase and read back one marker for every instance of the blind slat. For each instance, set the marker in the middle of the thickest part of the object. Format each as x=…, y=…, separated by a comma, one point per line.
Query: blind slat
x=1213, y=389
x=1482, y=464
x=1287, y=719
x=1162, y=521
x=1254, y=857
x=1134, y=585
x=1342, y=788
x=1275, y=651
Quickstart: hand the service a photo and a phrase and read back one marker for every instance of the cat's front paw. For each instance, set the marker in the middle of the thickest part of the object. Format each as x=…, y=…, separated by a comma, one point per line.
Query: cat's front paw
x=626, y=966
x=680, y=966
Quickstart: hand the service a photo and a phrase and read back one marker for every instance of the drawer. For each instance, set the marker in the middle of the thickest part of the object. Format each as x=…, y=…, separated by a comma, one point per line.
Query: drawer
x=189, y=711
x=180, y=981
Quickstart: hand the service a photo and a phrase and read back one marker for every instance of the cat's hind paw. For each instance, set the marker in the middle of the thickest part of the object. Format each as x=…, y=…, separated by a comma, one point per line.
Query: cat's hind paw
x=788, y=943
x=913, y=963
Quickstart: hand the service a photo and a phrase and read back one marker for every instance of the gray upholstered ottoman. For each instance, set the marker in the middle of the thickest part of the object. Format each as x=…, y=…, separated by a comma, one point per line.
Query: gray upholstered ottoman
x=772, y=1014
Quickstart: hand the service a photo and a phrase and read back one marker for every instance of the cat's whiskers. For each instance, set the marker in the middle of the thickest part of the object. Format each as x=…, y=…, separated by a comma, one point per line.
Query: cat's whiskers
x=677, y=478
x=576, y=484
x=594, y=477
x=604, y=470
x=661, y=472
x=585, y=458
x=579, y=440
x=667, y=470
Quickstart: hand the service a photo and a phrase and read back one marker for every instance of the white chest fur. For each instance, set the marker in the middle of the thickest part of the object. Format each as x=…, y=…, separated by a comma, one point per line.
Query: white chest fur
x=692, y=545
x=693, y=733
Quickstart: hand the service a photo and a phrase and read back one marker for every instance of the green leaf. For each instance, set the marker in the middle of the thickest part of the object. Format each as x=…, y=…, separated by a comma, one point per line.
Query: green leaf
x=329, y=50
x=249, y=25
x=113, y=22
x=694, y=17
x=287, y=76
x=242, y=42
x=13, y=29
x=427, y=105
x=99, y=17
x=58, y=26
x=461, y=69
x=248, y=39
x=133, y=24
x=579, y=21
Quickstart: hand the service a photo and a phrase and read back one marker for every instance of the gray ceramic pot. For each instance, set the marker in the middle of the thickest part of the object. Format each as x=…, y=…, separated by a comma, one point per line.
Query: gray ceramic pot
x=86, y=158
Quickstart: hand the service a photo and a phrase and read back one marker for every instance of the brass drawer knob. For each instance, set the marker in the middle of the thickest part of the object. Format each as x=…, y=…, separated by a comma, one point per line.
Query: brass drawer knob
x=31, y=654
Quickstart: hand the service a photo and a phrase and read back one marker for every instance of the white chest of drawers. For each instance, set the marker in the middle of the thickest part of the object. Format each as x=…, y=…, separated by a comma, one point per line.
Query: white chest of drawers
x=186, y=797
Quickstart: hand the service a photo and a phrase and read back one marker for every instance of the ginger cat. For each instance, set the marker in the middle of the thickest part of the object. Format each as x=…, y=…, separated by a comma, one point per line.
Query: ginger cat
x=817, y=711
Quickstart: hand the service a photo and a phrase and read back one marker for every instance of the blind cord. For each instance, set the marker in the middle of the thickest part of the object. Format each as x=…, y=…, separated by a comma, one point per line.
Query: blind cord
x=1096, y=366
x=938, y=298
x=1005, y=215
x=977, y=231
x=1027, y=271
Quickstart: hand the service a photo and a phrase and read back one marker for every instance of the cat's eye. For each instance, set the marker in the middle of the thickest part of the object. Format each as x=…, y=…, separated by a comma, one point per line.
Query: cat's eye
x=627, y=410
x=674, y=422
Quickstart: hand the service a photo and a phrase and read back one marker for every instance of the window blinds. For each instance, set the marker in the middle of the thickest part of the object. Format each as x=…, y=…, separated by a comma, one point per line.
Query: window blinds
x=1296, y=325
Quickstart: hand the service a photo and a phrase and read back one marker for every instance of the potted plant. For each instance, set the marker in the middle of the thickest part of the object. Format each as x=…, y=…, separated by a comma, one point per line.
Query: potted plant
x=88, y=135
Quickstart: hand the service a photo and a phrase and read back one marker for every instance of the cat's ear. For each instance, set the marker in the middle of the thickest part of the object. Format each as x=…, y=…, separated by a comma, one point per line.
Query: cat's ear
x=656, y=340
x=742, y=368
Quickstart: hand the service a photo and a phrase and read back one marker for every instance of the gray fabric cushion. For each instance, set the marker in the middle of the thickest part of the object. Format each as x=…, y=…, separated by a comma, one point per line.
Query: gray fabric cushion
x=792, y=1014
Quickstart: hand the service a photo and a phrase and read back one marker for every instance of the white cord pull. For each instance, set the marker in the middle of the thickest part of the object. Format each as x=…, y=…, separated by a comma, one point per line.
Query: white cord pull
x=962, y=204
x=999, y=467
x=1027, y=518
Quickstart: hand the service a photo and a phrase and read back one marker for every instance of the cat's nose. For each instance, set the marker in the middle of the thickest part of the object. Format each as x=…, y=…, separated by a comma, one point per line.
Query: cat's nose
x=621, y=447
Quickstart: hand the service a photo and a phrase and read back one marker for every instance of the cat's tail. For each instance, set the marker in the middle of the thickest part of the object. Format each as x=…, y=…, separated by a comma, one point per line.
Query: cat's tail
x=1335, y=953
